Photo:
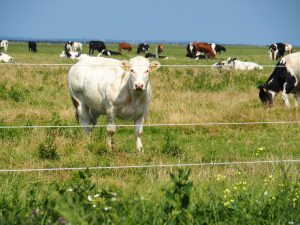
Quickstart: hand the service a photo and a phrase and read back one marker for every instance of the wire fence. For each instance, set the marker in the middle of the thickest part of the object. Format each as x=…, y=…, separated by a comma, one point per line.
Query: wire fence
x=297, y=122
x=163, y=65
x=153, y=166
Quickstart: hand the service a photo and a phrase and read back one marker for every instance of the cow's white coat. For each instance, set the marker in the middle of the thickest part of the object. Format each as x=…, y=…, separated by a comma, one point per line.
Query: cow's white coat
x=105, y=86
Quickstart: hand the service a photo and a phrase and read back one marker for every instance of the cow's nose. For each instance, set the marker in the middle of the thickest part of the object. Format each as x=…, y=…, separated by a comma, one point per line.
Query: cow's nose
x=139, y=86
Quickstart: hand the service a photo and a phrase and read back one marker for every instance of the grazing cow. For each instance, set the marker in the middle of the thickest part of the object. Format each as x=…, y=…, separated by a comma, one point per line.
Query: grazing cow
x=112, y=87
x=285, y=78
x=70, y=54
x=5, y=58
x=160, y=48
x=277, y=50
x=196, y=50
x=73, y=46
x=143, y=47
x=4, y=44
x=233, y=63
x=32, y=46
x=125, y=46
x=150, y=55
x=96, y=45
x=217, y=48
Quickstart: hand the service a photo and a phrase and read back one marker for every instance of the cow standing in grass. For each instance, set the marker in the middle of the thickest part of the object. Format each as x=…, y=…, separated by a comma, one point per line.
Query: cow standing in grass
x=4, y=45
x=125, y=46
x=277, y=50
x=105, y=86
x=32, y=46
x=285, y=78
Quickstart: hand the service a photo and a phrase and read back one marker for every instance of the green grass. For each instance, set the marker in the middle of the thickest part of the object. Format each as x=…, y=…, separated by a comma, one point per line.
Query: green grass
x=39, y=96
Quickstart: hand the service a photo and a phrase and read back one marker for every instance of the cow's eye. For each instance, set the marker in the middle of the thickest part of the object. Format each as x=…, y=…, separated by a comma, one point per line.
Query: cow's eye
x=132, y=71
x=147, y=71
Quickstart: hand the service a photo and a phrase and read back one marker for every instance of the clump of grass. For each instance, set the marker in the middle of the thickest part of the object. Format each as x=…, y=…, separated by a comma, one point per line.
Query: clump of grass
x=170, y=146
x=48, y=149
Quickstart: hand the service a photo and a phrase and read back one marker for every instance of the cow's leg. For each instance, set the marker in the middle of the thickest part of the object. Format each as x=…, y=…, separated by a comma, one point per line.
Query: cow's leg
x=297, y=97
x=138, y=130
x=111, y=127
x=94, y=116
x=84, y=117
x=285, y=96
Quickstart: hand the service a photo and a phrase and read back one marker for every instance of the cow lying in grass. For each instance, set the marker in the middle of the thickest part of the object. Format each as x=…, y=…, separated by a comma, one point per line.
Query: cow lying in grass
x=233, y=63
x=285, y=78
x=115, y=88
x=5, y=58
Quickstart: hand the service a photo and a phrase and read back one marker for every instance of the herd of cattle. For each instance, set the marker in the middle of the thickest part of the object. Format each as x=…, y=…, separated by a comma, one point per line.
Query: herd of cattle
x=121, y=88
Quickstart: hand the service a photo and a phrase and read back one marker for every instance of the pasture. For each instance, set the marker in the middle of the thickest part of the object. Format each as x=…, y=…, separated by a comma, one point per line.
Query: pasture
x=233, y=194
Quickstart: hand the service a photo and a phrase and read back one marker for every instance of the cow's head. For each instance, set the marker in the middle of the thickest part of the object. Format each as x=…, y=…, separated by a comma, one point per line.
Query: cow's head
x=266, y=96
x=139, y=69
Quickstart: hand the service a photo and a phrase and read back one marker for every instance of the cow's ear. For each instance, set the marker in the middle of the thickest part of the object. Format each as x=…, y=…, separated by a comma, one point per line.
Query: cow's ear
x=125, y=65
x=154, y=66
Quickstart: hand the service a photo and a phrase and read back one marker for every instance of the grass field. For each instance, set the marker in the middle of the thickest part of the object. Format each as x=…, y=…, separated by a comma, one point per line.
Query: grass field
x=235, y=194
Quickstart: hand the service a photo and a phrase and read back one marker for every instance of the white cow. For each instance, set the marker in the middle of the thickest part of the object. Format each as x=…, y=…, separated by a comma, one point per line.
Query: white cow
x=233, y=63
x=100, y=86
x=5, y=58
x=4, y=44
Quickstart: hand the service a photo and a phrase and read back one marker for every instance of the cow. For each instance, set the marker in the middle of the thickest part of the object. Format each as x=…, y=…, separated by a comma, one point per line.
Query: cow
x=32, y=46
x=5, y=58
x=285, y=78
x=277, y=50
x=96, y=45
x=143, y=47
x=125, y=46
x=160, y=48
x=197, y=49
x=108, y=53
x=73, y=46
x=70, y=55
x=150, y=55
x=115, y=88
x=217, y=48
x=233, y=63
x=4, y=44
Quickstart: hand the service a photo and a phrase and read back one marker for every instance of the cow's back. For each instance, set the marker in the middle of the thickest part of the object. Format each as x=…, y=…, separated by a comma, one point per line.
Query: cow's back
x=90, y=79
x=292, y=62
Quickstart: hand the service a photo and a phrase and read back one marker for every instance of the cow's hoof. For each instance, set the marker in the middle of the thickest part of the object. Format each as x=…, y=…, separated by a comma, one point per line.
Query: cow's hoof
x=140, y=149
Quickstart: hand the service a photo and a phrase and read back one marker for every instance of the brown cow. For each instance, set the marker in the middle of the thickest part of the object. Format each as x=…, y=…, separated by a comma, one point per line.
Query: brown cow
x=125, y=46
x=205, y=48
x=160, y=48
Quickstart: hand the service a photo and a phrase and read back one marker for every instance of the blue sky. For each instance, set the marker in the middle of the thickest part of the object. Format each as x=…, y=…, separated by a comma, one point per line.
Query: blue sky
x=222, y=21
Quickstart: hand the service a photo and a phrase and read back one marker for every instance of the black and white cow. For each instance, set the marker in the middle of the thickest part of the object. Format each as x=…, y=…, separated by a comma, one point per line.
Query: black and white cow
x=143, y=47
x=96, y=45
x=150, y=55
x=217, y=48
x=4, y=44
x=108, y=53
x=277, y=50
x=73, y=46
x=285, y=78
x=32, y=46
